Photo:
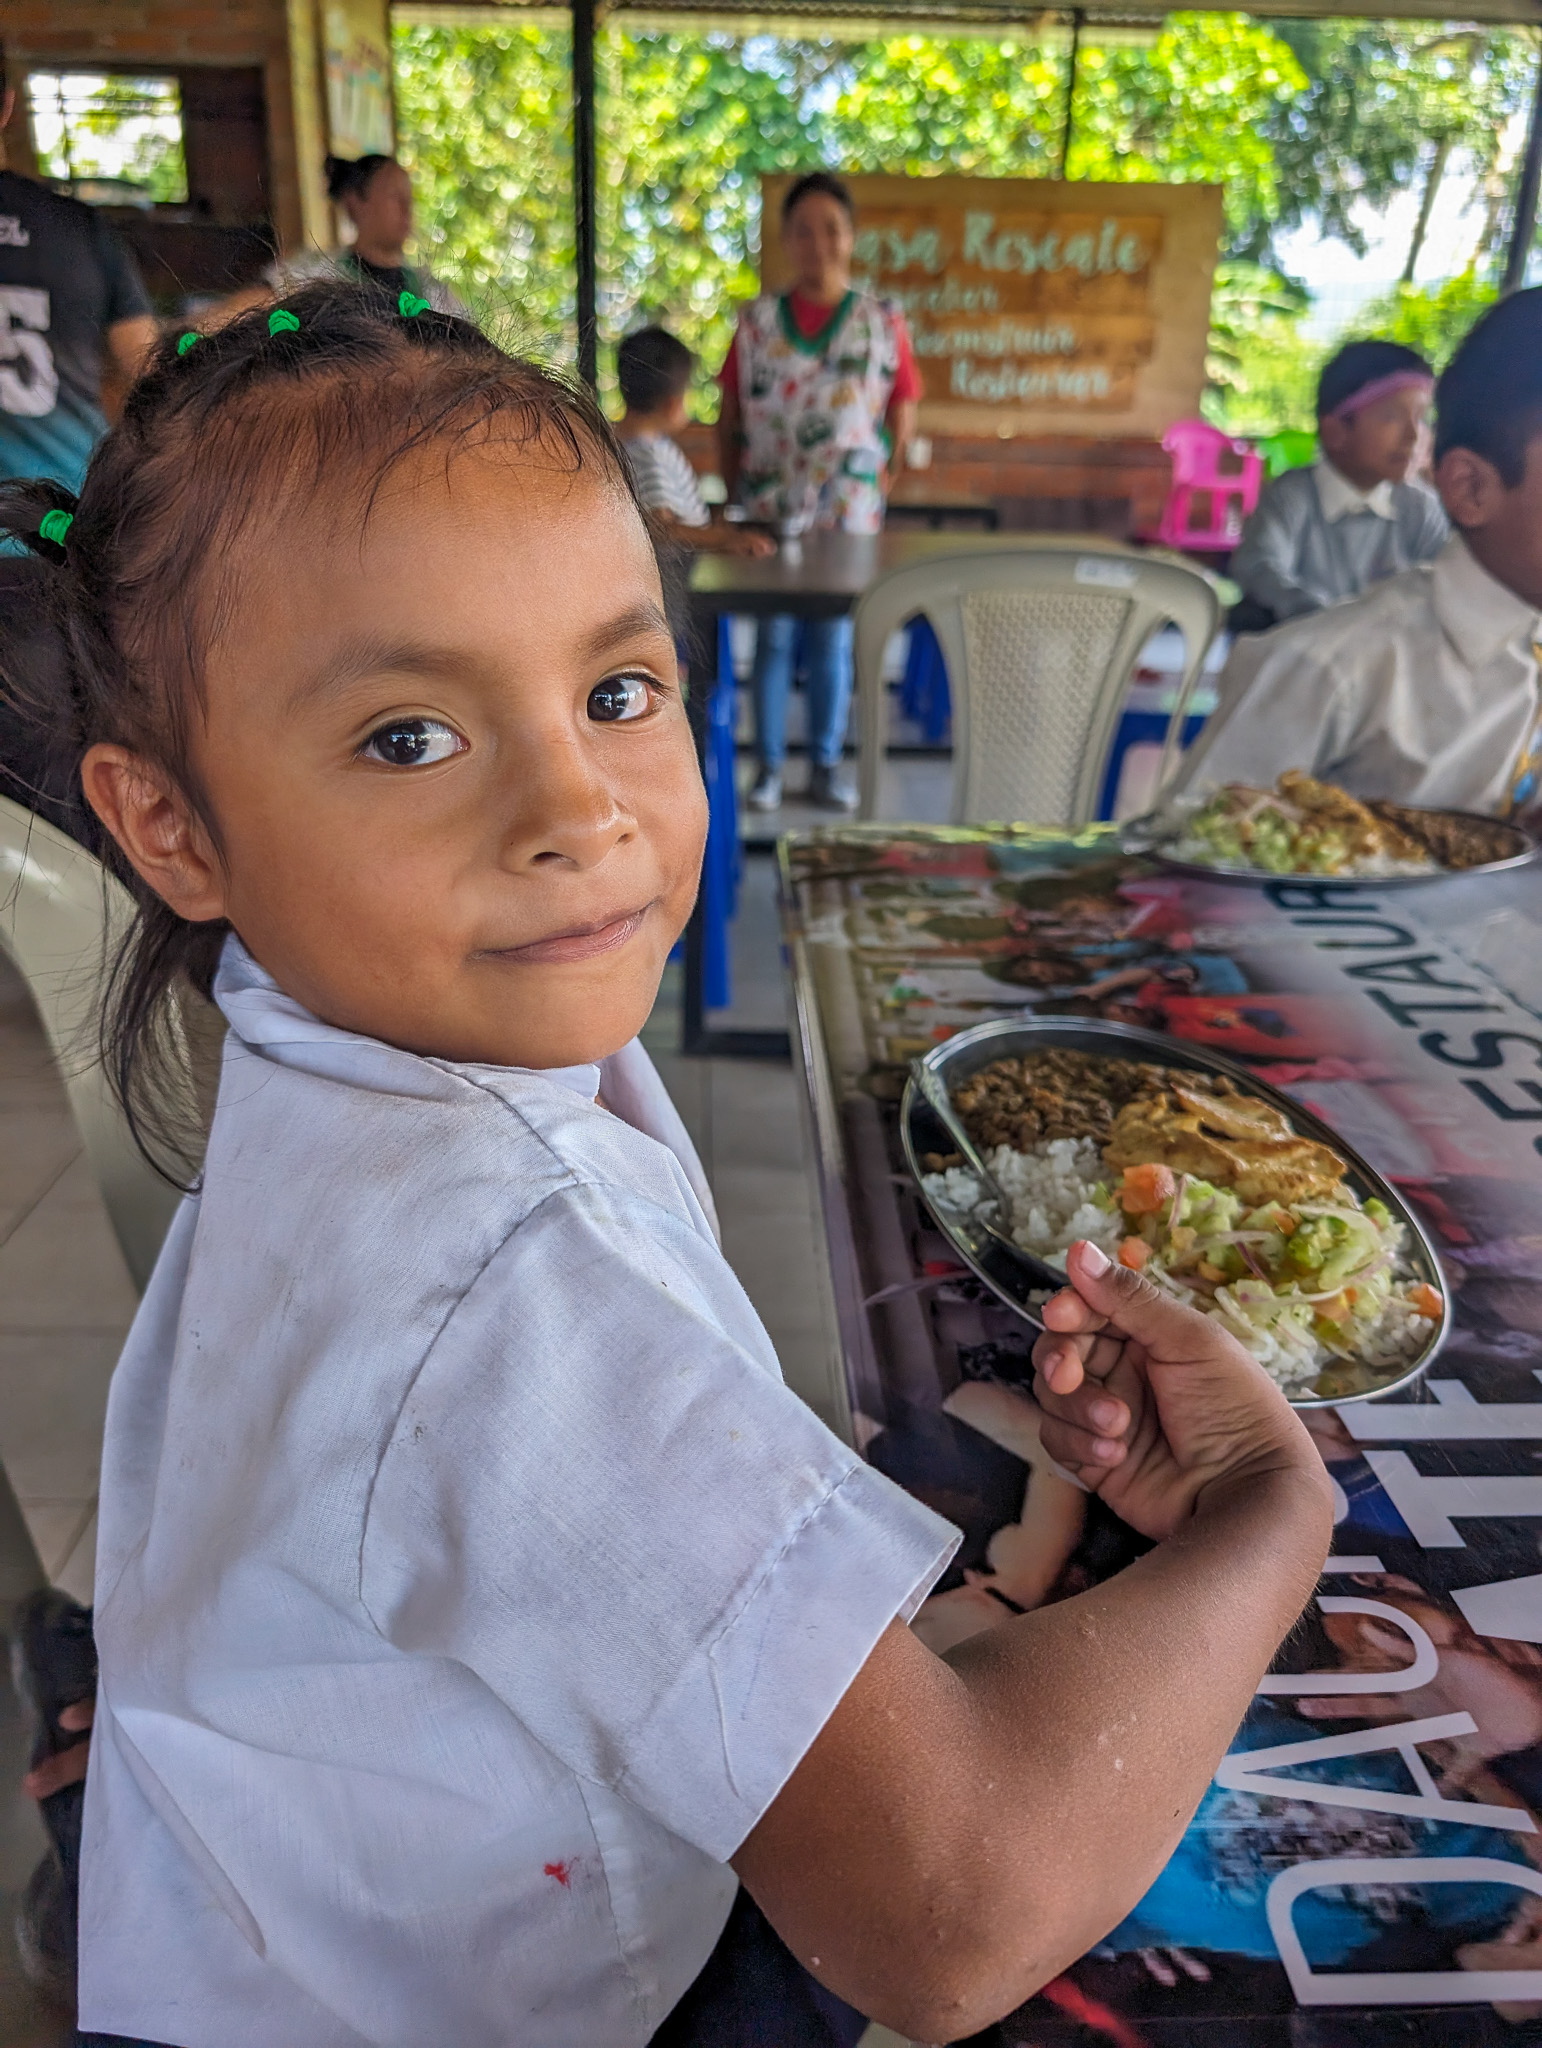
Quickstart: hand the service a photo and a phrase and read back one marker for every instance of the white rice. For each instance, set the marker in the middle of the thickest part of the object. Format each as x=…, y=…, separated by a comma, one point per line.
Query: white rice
x=1367, y=867
x=1051, y=1193
x=1051, y=1190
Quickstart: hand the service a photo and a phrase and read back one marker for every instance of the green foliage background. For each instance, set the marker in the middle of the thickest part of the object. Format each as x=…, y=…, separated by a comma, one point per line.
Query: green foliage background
x=1298, y=120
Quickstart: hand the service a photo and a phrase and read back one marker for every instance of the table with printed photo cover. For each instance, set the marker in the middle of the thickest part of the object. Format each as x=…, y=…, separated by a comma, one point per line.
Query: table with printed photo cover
x=1366, y=1868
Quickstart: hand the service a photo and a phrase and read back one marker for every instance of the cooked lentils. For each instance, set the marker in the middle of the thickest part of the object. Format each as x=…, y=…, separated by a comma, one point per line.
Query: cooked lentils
x=1059, y=1093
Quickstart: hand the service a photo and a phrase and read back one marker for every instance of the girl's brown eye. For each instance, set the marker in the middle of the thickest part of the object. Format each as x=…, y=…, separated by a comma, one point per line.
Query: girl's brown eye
x=412, y=743
x=619, y=697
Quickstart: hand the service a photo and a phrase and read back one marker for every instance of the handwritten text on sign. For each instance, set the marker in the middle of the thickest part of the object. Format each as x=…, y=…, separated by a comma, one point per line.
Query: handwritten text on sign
x=1033, y=308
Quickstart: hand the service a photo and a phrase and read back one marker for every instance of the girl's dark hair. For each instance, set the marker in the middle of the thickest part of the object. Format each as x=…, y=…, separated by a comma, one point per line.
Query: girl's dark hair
x=227, y=438
x=818, y=181
x=350, y=177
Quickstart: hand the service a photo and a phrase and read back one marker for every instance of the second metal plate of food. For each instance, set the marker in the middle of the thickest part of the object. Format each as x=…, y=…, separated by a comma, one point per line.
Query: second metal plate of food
x=1012, y=1281
x=1152, y=835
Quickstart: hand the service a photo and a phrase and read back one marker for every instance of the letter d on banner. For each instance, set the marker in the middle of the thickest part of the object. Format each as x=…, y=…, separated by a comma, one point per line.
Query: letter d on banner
x=1397, y=1987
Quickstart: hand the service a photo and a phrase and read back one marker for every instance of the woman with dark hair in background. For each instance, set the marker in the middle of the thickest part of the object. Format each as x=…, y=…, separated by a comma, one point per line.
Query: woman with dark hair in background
x=819, y=400
x=375, y=193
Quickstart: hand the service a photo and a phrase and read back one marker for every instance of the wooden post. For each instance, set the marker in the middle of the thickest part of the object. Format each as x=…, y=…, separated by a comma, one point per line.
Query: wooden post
x=584, y=189
x=1524, y=230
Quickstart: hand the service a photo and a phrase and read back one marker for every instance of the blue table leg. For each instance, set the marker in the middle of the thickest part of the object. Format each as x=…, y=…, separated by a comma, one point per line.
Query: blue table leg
x=720, y=869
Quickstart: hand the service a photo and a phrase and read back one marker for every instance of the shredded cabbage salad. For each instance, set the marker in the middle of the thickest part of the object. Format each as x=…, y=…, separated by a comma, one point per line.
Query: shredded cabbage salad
x=1291, y=1282
x=1249, y=828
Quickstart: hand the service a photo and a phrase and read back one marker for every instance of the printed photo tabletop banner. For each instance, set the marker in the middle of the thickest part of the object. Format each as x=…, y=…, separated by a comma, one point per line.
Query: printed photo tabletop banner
x=1366, y=1868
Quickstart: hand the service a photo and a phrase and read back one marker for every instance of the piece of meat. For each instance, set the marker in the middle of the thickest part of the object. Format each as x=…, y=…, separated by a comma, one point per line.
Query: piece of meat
x=1369, y=833
x=1235, y=1141
x=1451, y=837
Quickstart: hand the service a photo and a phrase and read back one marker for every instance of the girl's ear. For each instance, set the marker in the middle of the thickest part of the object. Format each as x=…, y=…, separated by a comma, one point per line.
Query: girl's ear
x=158, y=830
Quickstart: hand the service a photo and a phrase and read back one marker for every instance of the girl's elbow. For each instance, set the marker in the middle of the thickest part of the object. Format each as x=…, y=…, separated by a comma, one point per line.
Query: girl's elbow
x=947, y=1988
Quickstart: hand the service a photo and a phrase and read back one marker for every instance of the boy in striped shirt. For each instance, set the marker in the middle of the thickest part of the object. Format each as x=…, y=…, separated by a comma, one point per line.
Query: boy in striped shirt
x=654, y=371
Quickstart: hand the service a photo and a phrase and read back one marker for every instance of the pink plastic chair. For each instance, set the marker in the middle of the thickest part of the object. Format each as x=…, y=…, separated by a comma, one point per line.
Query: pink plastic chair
x=1216, y=482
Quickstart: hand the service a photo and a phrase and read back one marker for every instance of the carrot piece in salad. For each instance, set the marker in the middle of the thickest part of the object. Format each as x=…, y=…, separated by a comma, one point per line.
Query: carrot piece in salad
x=1425, y=1300
x=1145, y=1188
x=1134, y=1253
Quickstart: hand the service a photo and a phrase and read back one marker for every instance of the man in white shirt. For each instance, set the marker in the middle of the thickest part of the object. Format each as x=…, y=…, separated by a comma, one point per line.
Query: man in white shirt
x=1325, y=533
x=1424, y=690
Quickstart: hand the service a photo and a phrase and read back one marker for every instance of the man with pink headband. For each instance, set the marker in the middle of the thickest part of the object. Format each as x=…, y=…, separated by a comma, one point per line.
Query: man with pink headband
x=1325, y=533
x=1424, y=689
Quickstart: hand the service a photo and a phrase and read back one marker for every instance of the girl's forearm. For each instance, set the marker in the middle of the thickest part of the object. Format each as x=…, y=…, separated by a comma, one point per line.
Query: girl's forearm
x=1088, y=1805
x=962, y=1830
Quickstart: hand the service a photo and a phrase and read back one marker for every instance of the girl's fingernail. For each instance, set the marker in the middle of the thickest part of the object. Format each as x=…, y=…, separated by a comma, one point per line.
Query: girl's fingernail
x=1094, y=1261
x=1104, y=1414
x=1105, y=1450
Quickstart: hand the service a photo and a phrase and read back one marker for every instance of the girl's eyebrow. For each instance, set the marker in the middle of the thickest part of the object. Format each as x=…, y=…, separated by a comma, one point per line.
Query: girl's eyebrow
x=368, y=654
x=642, y=617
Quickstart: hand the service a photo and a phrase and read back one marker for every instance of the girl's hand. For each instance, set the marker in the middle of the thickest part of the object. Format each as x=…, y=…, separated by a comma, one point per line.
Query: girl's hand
x=1150, y=1403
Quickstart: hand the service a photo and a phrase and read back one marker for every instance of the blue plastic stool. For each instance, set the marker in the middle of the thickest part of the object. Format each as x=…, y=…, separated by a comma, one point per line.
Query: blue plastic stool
x=924, y=697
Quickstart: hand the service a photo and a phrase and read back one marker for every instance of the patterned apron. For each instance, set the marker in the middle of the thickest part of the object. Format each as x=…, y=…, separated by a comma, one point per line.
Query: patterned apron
x=813, y=410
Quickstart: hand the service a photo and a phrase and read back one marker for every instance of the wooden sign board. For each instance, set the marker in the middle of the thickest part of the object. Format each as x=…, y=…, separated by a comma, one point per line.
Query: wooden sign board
x=1037, y=307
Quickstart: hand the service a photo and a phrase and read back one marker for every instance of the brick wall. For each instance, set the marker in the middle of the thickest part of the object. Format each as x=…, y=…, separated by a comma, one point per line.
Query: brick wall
x=1060, y=484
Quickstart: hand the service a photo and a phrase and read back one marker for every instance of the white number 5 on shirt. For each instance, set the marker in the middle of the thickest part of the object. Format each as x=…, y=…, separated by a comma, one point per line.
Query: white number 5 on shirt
x=29, y=383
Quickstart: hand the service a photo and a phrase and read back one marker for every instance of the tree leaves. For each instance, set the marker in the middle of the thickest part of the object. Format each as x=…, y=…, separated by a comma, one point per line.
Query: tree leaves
x=1298, y=120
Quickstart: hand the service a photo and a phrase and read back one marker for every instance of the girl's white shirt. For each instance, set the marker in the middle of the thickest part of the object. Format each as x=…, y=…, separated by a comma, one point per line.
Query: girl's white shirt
x=469, y=1583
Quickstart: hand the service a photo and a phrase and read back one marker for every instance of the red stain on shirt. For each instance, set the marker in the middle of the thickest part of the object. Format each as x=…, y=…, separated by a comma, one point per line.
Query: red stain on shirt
x=562, y=1872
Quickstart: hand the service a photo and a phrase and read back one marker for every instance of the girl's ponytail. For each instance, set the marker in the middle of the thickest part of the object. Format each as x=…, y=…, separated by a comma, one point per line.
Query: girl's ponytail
x=40, y=735
x=55, y=662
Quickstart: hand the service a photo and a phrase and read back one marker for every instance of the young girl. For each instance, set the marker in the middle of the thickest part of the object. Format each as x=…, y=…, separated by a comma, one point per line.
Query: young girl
x=476, y=1606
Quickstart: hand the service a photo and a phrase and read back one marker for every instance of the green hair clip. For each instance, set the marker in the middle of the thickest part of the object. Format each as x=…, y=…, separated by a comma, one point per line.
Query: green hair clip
x=54, y=526
x=409, y=304
x=186, y=341
x=282, y=321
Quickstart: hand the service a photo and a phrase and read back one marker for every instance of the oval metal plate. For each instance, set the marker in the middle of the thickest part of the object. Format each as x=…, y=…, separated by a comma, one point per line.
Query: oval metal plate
x=1005, y=1038
x=1147, y=837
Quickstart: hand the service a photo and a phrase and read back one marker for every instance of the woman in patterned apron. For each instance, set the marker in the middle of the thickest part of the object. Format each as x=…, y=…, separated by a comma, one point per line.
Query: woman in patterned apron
x=819, y=399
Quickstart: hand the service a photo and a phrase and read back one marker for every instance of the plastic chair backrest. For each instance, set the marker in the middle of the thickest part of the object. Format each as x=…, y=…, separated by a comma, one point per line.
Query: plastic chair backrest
x=1039, y=643
x=61, y=915
x=1290, y=448
x=1226, y=473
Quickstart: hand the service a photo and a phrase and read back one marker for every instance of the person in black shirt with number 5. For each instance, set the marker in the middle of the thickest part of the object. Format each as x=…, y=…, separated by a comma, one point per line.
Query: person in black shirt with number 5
x=71, y=306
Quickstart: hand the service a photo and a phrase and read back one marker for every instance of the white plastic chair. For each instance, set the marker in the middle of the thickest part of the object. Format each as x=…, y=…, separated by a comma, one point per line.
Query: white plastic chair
x=61, y=915
x=1039, y=642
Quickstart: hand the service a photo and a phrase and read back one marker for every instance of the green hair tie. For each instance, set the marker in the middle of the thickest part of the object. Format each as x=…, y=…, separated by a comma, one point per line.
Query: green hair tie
x=282, y=321
x=54, y=526
x=409, y=303
x=187, y=342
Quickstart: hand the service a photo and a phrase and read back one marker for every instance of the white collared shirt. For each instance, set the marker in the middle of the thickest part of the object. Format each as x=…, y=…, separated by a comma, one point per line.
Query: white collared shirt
x=1313, y=539
x=1340, y=499
x=469, y=1582
x=1422, y=691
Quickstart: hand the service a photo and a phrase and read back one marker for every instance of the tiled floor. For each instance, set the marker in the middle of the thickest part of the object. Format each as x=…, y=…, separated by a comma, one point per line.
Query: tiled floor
x=66, y=1302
